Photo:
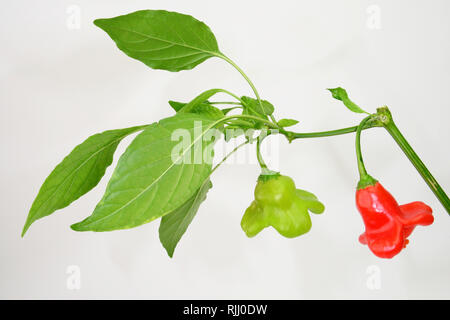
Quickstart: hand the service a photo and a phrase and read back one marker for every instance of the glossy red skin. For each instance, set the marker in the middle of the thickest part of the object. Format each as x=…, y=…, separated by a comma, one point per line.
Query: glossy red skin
x=388, y=224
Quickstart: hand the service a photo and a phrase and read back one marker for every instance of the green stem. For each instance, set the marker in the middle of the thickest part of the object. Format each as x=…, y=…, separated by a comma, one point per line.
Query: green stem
x=228, y=155
x=361, y=168
x=204, y=95
x=262, y=164
x=223, y=160
x=233, y=95
x=296, y=135
x=224, y=102
x=389, y=125
x=265, y=171
x=247, y=116
x=365, y=179
x=224, y=57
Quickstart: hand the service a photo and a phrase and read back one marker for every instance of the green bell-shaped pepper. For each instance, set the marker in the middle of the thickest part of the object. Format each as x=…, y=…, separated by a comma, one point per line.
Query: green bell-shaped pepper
x=280, y=205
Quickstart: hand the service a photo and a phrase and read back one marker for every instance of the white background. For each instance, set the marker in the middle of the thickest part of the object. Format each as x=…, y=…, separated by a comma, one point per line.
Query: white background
x=59, y=85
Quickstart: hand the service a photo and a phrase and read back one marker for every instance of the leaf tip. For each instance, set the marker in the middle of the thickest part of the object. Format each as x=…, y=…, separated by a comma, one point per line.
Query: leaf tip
x=77, y=227
x=100, y=23
x=169, y=250
x=26, y=227
x=338, y=93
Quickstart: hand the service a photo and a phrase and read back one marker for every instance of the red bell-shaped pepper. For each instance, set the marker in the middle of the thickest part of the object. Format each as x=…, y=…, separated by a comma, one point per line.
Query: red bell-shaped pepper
x=388, y=224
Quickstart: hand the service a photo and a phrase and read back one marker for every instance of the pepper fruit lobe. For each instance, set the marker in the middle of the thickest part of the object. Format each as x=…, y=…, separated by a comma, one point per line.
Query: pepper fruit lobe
x=387, y=224
x=279, y=204
x=277, y=191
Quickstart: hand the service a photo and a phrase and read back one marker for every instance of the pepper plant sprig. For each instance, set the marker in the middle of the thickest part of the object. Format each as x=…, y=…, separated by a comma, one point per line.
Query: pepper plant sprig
x=166, y=170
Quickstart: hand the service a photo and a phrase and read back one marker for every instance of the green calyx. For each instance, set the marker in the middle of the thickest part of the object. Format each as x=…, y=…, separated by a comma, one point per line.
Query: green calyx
x=267, y=174
x=366, y=181
x=279, y=204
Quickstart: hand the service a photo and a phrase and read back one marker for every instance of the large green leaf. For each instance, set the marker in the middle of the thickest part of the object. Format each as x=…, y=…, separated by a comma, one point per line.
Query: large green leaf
x=153, y=177
x=162, y=40
x=77, y=174
x=175, y=224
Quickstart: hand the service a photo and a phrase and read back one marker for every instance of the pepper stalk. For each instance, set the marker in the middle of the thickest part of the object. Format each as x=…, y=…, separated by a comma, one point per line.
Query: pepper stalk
x=365, y=179
x=384, y=116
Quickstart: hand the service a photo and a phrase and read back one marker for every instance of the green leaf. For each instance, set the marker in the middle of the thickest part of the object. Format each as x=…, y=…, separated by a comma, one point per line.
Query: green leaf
x=175, y=224
x=156, y=174
x=252, y=107
x=209, y=111
x=340, y=94
x=162, y=40
x=201, y=98
x=227, y=110
x=287, y=122
x=77, y=174
x=203, y=108
x=176, y=105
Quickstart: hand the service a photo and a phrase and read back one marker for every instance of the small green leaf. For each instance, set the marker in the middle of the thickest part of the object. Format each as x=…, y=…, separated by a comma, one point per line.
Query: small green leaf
x=287, y=122
x=157, y=174
x=201, y=98
x=203, y=108
x=227, y=110
x=252, y=107
x=267, y=107
x=175, y=224
x=340, y=94
x=161, y=39
x=176, y=105
x=77, y=174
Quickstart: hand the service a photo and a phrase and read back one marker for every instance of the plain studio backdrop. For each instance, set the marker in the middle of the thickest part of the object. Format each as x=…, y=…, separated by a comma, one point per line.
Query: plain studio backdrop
x=62, y=79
